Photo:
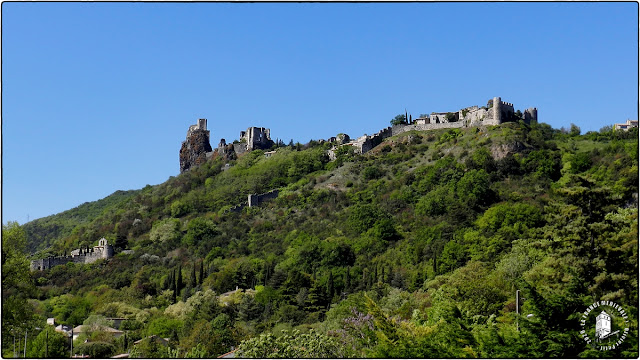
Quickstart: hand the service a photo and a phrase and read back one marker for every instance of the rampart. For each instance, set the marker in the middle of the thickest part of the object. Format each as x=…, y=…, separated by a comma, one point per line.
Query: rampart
x=399, y=129
x=82, y=256
x=257, y=200
x=496, y=113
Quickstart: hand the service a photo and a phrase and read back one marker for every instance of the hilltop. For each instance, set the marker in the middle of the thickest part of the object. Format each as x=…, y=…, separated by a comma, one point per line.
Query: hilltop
x=414, y=248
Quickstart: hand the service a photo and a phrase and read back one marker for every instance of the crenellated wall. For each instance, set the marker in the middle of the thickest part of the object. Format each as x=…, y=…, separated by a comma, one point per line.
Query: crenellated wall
x=82, y=256
x=398, y=129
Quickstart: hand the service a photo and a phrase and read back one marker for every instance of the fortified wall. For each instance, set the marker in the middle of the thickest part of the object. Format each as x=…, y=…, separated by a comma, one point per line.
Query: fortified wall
x=495, y=113
x=256, y=200
x=82, y=256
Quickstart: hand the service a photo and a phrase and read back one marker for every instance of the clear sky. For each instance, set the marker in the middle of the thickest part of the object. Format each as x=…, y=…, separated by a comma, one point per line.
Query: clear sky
x=97, y=97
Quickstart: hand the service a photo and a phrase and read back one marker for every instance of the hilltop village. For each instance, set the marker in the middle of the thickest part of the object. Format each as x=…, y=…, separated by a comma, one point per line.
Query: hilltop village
x=196, y=149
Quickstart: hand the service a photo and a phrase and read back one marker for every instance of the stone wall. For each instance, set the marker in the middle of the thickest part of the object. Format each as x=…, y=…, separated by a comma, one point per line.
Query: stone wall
x=81, y=256
x=256, y=200
x=257, y=138
x=399, y=129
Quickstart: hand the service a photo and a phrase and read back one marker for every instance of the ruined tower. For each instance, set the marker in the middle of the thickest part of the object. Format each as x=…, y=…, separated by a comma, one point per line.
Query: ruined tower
x=531, y=115
x=497, y=110
x=196, y=149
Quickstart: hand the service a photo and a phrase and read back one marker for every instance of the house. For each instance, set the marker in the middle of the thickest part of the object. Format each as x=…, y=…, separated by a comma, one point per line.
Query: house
x=65, y=329
x=158, y=339
x=117, y=322
x=626, y=126
x=84, y=328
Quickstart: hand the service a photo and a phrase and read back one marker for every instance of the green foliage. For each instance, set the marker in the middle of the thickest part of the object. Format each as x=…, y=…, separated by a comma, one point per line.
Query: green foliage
x=17, y=284
x=438, y=239
x=363, y=217
x=292, y=344
x=96, y=349
x=200, y=230
x=581, y=162
x=399, y=119
x=49, y=344
x=167, y=230
x=372, y=172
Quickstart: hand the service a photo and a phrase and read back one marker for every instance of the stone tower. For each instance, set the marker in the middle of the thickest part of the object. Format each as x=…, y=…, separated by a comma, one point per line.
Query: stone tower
x=531, y=115
x=196, y=149
x=497, y=110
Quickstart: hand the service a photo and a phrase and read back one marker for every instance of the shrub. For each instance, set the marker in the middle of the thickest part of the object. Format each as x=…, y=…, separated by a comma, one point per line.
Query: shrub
x=96, y=349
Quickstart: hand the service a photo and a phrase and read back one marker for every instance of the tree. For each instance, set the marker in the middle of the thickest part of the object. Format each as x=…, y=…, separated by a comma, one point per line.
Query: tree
x=399, y=119
x=575, y=130
x=451, y=117
x=199, y=230
x=17, y=285
x=292, y=345
x=330, y=285
x=49, y=342
x=97, y=349
x=166, y=230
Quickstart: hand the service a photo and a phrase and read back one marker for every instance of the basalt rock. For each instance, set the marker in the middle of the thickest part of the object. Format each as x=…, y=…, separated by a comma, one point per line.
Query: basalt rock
x=195, y=150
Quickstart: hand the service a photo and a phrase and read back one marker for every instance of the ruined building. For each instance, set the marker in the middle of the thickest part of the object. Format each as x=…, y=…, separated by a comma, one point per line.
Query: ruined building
x=196, y=149
x=495, y=113
x=82, y=256
x=254, y=138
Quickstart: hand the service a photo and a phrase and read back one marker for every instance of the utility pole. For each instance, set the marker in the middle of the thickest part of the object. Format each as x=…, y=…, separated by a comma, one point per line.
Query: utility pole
x=71, y=341
x=25, y=343
x=518, y=310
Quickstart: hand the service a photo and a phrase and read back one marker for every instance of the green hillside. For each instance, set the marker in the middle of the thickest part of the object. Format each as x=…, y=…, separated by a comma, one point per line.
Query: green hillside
x=414, y=249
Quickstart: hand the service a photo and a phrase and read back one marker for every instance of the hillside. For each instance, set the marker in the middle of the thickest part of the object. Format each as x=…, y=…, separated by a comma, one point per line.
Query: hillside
x=414, y=249
x=47, y=231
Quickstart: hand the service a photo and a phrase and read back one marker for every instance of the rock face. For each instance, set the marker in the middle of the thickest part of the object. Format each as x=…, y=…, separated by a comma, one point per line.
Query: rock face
x=196, y=149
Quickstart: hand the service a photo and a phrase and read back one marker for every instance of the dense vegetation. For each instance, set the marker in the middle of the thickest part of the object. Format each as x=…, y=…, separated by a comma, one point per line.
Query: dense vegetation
x=415, y=249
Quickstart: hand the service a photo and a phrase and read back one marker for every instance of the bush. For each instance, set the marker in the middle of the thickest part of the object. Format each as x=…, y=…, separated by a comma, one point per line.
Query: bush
x=372, y=172
x=580, y=162
x=97, y=349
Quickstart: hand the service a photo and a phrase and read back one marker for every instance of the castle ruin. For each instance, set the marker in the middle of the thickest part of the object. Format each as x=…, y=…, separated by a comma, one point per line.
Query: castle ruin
x=196, y=149
x=82, y=256
x=495, y=113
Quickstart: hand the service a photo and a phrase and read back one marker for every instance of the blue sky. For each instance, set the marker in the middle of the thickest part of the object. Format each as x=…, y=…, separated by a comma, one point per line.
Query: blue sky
x=97, y=97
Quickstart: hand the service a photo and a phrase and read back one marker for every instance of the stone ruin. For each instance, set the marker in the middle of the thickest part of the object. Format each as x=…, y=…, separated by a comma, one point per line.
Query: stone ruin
x=495, y=113
x=83, y=256
x=196, y=149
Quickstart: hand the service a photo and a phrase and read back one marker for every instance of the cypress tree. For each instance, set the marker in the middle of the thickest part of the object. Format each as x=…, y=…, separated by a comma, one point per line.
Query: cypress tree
x=201, y=272
x=193, y=282
x=174, y=286
x=330, y=286
x=347, y=280
x=179, y=282
x=375, y=273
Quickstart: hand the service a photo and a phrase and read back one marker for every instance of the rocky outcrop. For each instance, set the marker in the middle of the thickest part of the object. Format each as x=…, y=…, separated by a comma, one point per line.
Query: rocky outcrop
x=195, y=150
x=499, y=151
